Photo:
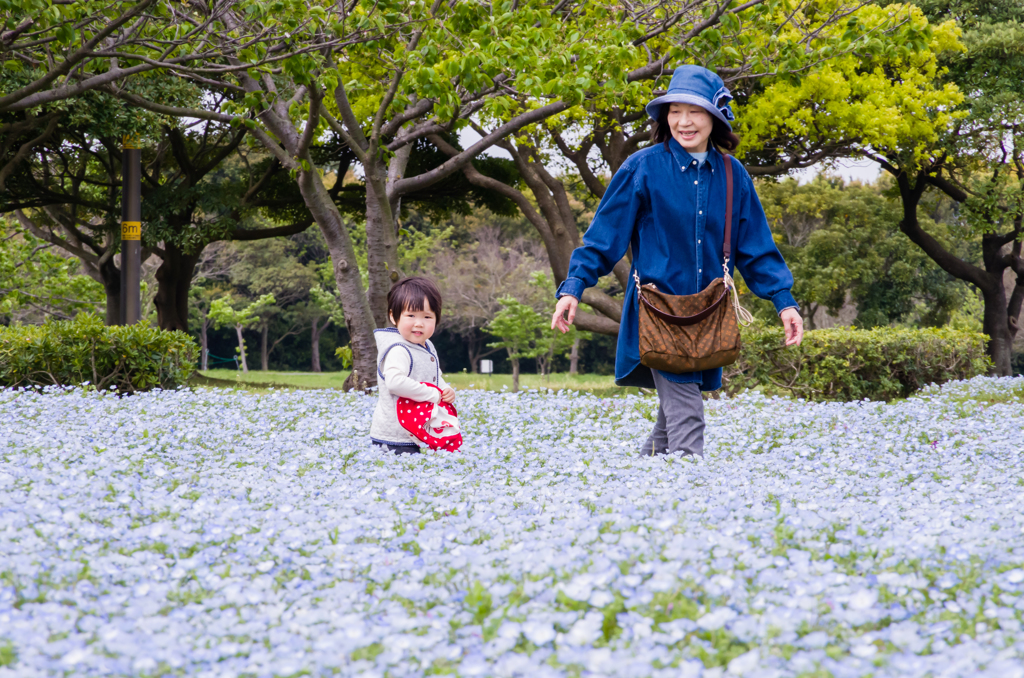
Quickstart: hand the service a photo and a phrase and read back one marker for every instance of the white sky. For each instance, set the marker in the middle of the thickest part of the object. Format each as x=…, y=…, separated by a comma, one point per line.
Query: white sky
x=851, y=170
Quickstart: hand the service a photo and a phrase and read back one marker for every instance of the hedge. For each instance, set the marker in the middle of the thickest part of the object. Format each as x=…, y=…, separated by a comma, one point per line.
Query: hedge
x=85, y=351
x=849, y=364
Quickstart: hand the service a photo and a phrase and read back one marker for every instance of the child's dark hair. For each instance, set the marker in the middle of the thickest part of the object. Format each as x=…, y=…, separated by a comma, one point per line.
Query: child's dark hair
x=409, y=293
x=721, y=135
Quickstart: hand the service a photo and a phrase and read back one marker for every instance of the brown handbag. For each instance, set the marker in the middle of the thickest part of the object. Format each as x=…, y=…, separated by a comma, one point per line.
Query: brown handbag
x=696, y=331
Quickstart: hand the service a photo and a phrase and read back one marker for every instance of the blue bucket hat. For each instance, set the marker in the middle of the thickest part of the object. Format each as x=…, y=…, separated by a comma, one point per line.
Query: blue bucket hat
x=698, y=86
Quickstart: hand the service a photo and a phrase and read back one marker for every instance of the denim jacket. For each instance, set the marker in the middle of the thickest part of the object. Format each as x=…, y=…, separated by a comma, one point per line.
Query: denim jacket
x=670, y=211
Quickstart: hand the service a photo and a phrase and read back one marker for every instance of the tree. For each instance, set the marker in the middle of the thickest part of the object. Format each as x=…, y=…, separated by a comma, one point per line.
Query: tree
x=525, y=333
x=50, y=55
x=200, y=302
x=974, y=157
x=54, y=52
x=222, y=313
x=280, y=267
x=65, y=189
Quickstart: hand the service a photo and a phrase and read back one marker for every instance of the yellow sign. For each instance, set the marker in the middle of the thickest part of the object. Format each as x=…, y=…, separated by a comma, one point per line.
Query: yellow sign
x=131, y=230
x=130, y=141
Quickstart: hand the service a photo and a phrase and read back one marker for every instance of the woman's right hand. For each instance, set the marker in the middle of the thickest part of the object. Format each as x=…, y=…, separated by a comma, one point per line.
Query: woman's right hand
x=565, y=303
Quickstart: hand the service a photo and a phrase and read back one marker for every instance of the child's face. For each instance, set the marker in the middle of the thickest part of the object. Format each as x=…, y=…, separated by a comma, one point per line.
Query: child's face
x=416, y=326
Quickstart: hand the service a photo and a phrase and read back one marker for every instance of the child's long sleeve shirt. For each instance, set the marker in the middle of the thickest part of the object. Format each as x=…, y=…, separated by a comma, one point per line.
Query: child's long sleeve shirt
x=396, y=370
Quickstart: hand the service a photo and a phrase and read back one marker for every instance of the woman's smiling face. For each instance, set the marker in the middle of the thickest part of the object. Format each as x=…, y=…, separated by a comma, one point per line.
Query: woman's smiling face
x=691, y=126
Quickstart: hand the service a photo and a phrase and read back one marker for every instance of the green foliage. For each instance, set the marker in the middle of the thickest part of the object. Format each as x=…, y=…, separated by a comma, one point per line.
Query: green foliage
x=344, y=353
x=837, y=239
x=35, y=281
x=877, y=85
x=8, y=653
x=478, y=602
x=84, y=350
x=525, y=333
x=850, y=364
x=222, y=313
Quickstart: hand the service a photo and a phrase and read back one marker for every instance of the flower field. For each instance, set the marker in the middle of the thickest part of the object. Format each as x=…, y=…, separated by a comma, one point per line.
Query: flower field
x=225, y=533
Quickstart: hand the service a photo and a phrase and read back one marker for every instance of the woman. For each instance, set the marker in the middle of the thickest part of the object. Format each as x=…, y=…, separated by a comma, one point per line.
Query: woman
x=667, y=205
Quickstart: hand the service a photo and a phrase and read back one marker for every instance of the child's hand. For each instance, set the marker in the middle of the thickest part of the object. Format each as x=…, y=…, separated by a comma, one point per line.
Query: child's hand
x=448, y=395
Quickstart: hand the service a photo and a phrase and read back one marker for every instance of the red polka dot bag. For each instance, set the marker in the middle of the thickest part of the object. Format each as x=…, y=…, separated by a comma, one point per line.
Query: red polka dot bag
x=436, y=425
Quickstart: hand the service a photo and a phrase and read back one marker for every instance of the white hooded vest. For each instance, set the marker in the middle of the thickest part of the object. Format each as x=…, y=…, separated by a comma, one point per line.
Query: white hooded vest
x=424, y=367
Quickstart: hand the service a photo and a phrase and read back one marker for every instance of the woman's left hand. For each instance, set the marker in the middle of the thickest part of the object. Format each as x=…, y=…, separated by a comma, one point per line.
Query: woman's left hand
x=794, y=326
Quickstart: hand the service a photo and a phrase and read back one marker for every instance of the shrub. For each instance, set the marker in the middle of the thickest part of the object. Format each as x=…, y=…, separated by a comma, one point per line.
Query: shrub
x=849, y=364
x=67, y=353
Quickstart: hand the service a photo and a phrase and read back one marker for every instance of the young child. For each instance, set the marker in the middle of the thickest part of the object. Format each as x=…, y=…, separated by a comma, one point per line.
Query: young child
x=407, y=359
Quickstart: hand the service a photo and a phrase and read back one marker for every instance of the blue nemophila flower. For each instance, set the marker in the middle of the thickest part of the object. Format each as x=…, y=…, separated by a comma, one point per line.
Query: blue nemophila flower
x=217, y=532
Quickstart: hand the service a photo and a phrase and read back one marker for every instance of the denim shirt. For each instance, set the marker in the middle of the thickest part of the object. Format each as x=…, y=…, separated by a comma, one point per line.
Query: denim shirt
x=670, y=211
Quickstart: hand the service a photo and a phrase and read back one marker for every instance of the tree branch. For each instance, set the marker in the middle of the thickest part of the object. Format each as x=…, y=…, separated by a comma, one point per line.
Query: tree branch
x=19, y=95
x=276, y=232
x=589, y=322
x=950, y=263
x=53, y=239
x=453, y=164
x=25, y=149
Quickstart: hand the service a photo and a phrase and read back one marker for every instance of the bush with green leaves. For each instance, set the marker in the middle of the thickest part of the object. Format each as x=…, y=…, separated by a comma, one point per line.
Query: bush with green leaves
x=843, y=363
x=71, y=352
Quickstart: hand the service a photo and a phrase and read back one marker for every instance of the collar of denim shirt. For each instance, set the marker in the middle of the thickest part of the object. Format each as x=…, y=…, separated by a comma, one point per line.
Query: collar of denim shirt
x=687, y=162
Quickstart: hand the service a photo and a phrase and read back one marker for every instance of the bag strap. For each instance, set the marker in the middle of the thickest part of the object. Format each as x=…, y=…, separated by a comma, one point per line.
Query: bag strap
x=727, y=245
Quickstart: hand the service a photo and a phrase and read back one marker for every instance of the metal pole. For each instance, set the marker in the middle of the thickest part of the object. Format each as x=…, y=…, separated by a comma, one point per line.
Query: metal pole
x=131, y=232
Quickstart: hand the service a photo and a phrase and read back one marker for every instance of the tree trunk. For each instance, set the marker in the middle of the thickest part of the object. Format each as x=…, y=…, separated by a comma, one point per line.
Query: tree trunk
x=474, y=358
x=315, y=345
x=241, y=347
x=808, y=311
x=997, y=326
x=515, y=374
x=204, y=344
x=111, y=279
x=475, y=352
x=574, y=356
x=358, y=319
x=174, y=279
x=264, y=353
x=381, y=248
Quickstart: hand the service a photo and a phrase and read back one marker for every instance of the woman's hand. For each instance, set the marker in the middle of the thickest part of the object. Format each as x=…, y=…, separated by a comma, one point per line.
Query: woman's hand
x=448, y=395
x=794, y=326
x=565, y=303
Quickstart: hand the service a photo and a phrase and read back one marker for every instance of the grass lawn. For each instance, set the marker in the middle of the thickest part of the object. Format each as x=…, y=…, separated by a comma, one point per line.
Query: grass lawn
x=601, y=385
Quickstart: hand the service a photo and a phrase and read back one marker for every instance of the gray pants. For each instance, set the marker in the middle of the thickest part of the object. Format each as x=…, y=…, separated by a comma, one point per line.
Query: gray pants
x=680, y=425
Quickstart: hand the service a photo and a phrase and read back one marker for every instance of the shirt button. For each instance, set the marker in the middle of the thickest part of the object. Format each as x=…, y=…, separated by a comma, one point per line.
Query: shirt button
x=431, y=358
x=701, y=212
x=695, y=182
x=698, y=242
x=700, y=270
